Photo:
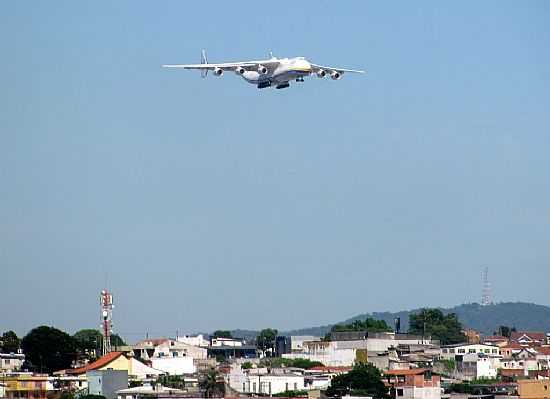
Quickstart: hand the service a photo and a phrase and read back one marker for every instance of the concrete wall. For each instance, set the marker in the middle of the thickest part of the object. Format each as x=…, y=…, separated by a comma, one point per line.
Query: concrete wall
x=174, y=365
x=107, y=382
x=534, y=389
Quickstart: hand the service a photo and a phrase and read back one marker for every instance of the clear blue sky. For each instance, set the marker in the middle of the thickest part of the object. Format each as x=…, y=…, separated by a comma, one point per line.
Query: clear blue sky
x=208, y=204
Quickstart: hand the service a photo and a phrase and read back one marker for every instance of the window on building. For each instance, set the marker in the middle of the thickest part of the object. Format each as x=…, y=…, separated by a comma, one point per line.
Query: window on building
x=451, y=351
x=286, y=386
x=254, y=387
x=445, y=351
x=495, y=351
x=399, y=392
x=462, y=351
x=7, y=361
x=487, y=350
x=472, y=351
x=244, y=387
x=175, y=354
x=295, y=386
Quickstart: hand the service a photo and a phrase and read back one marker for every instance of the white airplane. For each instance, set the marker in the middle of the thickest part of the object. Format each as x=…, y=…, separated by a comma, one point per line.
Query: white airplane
x=277, y=72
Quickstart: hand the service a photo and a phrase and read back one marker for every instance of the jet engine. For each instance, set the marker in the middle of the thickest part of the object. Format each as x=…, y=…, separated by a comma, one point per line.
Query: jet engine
x=240, y=71
x=321, y=73
x=335, y=75
x=218, y=71
x=262, y=70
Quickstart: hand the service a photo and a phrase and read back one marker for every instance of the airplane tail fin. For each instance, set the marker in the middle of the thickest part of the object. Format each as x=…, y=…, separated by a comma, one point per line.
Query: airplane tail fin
x=204, y=60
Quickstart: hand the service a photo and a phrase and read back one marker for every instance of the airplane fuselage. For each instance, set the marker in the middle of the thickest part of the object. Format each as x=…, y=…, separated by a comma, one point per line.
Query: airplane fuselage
x=289, y=69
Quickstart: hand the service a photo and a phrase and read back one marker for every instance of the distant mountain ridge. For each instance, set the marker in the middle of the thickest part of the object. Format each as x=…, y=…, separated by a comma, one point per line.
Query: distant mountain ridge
x=485, y=319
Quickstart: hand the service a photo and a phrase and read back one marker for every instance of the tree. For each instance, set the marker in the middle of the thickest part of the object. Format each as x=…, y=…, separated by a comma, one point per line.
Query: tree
x=266, y=340
x=505, y=331
x=369, y=324
x=88, y=340
x=212, y=384
x=222, y=334
x=246, y=365
x=10, y=342
x=117, y=341
x=432, y=322
x=48, y=349
x=363, y=380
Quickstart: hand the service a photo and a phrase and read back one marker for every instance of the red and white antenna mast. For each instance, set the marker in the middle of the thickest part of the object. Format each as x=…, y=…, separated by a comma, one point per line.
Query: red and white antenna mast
x=106, y=300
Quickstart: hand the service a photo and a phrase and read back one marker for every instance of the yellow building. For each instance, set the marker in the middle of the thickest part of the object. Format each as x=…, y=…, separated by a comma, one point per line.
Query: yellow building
x=534, y=389
x=25, y=386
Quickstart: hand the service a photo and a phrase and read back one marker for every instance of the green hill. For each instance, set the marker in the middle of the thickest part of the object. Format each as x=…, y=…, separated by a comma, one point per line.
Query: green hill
x=486, y=319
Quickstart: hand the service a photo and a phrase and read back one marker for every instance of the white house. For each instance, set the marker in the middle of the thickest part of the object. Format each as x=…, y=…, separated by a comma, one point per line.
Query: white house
x=217, y=342
x=478, y=365
x=451, y=351
x=194, y=340
x=169, y=355
x=11, y=361
x=265, y=382
x=330, y=353
x=297, y=342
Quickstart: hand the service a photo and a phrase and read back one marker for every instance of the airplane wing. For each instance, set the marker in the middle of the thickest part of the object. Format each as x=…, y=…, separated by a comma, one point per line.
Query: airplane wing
x=228, y=66
x=315, y=68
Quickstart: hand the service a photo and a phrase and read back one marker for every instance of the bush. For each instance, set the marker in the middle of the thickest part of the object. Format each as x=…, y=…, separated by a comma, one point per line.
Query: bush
x=290, y=394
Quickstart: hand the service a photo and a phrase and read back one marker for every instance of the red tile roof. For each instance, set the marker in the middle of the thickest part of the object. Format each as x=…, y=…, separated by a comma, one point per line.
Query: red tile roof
x=99, y=363
x=543, y=350
x=534, y=335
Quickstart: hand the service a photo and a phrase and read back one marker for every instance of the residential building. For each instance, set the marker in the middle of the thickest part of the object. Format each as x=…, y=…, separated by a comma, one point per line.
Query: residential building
x=107, y=382
x=117, y=361
x=529, y=338
x=452, y=351
x=233, y=342
x=25, y=386
x=414, y=384
x=171, y=356
x=164, y=347
x=346, y=352
x=265, y=382
x=10, y=362
x=282, y=345
x=297, y=342
x=496, y=340
x=149, y=391
x=510, y=350
x=478, y=365
x=472, y=336
x=194, y=340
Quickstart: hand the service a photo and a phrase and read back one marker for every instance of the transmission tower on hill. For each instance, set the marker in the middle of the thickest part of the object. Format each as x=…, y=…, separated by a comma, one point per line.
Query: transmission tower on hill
x=486, y=293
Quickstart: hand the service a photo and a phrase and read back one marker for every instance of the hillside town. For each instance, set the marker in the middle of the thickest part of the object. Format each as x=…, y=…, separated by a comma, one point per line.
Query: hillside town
x=437, y=357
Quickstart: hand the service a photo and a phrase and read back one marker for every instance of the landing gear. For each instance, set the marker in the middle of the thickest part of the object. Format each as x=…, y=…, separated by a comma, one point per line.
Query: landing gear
x=283, y=85
x=265, y=84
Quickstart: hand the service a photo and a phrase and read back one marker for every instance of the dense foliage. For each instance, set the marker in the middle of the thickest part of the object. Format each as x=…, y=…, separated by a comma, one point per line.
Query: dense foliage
x=363, y=380
x=222, y=334
x=290, y=394
x=10, y=342
x=212, y=384
x=369, y=324
x=48, y=349
x=443, y=327
x=266, y=340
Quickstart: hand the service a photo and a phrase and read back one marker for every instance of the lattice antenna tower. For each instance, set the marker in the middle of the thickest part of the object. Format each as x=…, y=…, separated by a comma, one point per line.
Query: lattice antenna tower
x=106, y=301
x=486, y=293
